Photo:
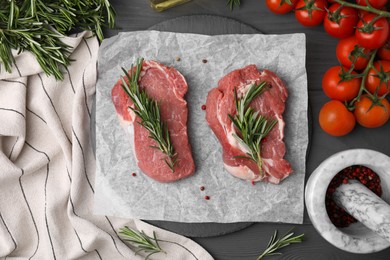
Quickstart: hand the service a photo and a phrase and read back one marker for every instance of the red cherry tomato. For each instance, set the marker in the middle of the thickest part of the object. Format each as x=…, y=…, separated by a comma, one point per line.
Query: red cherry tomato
x=372, y=34
x=377, y=4
x=335, y=119
x=378, y=79
x=338, y=88
x=362, y=13
x=281, y=6
x=346, y=51
x=307, y=14
x=384, y=52
x=340, y=22
x=370, y=114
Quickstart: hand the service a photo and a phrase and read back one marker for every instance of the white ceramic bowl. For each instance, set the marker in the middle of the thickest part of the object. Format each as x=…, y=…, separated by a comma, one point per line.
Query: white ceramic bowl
x=356, y=238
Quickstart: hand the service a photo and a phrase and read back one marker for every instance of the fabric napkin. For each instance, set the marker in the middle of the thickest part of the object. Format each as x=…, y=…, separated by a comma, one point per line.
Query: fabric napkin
x=47, y=167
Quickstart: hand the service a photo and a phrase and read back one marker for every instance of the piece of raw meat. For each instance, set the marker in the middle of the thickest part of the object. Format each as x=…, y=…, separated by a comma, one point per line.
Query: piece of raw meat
x=271, y=103
x=168, y=87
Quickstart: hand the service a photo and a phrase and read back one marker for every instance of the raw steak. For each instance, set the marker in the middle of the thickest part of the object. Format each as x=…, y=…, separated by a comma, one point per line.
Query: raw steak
x=221, y=103
x=168, y=87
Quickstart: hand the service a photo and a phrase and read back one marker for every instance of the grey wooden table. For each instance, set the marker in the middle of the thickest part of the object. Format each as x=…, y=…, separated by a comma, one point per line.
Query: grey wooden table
x=247, y=243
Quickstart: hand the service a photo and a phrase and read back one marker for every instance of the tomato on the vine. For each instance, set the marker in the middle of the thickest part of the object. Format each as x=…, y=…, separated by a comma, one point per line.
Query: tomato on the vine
x=384, y=52
x=362, y=13
x=307, y=14
x=372, y=114
x=377, y=4
x=281, y=6
x=340, y=22
x=348, y=50
x=335, y=119
x=378, y=78
x=372, y=32
x=337, y=85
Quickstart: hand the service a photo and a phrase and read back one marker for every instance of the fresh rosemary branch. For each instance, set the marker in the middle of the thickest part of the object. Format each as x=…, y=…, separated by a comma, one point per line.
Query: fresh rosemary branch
x=252, y=126
x=276, y=243
x=233, y=3
x=146, y=243
x=38, y=26
x=149, y=112
x=142, y=241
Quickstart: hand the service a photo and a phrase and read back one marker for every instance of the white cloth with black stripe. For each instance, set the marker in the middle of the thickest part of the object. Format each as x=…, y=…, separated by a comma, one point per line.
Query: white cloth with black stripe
x=47, y=167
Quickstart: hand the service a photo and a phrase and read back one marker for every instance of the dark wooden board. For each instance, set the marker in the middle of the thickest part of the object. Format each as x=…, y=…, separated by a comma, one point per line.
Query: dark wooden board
x=247, y=243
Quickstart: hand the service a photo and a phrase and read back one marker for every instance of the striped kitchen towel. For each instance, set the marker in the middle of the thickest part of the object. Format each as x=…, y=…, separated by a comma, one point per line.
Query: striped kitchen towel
x=47, y=167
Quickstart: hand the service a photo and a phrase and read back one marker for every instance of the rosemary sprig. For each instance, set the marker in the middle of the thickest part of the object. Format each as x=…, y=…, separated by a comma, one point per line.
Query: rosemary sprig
x=146, y=243
x=142, y=241
x=276, y=243
x=38, y=26
x=233, y=3
x=252, y=126
x=149, y=112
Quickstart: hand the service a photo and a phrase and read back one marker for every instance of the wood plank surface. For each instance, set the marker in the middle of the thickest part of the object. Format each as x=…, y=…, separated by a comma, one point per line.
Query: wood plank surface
x=247, y=244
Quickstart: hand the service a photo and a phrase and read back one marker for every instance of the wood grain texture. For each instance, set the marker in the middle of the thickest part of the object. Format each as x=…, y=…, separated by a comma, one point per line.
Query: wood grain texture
x=247, y=244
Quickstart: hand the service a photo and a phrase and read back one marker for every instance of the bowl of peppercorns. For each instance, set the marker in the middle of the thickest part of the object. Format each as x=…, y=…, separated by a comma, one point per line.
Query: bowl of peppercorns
x=371, y=169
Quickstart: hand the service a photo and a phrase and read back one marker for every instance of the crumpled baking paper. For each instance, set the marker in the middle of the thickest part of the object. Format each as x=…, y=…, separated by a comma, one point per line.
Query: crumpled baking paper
x=118, y=193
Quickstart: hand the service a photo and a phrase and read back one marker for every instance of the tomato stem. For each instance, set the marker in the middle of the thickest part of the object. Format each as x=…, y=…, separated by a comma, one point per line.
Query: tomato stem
x=363, y=84
x=285, y=1
x=336, y=15
x=367, y=8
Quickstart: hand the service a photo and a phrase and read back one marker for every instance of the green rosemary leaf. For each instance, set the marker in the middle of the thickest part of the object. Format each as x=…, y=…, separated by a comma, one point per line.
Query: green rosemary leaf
x=38, y=26
x=233, y=3
x=147, y=244
x=276, y=243
x=140, y=240
x=148, y=111
x=252, y=127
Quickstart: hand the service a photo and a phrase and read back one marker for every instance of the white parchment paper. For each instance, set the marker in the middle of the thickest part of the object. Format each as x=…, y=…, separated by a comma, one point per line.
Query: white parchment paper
x=118, y=193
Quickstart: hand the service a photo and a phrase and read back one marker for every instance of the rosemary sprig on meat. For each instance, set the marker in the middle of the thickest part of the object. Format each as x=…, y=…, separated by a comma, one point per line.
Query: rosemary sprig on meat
x=38, y=26
x=148, y=111
x=252, y=126
x=276, y=243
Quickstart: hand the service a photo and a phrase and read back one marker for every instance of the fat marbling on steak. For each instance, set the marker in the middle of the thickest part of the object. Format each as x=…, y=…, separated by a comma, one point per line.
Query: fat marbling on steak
x=167, y=86
x=271, y=103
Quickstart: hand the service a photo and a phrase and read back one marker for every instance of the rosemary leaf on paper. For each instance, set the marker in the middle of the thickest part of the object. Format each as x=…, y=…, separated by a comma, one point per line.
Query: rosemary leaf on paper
x=252, y=126
x=38, y=26
x=276, y=243
x=149, y=112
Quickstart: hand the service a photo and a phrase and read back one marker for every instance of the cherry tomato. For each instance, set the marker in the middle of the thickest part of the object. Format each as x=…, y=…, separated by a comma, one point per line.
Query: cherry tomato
x=379, y=78
x=372, y=115
x=281, y=6
x=306, y=13
x=336, y=88
x=377, y=4
x=335, y=119
x=346, y=51
x=362, y=13
x=372, y=35
x=384, y=52
x=340, y=22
